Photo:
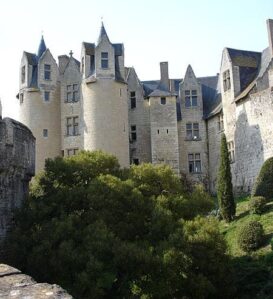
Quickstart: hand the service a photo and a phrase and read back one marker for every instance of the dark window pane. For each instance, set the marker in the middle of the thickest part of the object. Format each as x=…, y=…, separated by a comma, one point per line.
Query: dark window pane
x=104, y=64
x=188, y=102
x=187, y=92
x=197, y=166
x=104, y=55
x=194, y=92
x=163, y=101
x=133, y=103
x=194, y=101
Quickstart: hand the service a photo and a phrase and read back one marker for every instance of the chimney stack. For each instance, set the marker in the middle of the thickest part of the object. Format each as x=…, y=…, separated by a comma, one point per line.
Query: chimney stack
x=164, y=75
x=270, y=35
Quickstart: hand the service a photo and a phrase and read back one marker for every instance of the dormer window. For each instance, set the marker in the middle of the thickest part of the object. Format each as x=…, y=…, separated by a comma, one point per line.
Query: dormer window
x=47, y=72
x=104, y=60
x=190, y=98
x=226, y=80
x=23, y=74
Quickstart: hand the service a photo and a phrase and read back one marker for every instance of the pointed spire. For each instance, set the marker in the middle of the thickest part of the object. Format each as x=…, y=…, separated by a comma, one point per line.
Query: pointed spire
x=42, y=48
x=190, y=72
x=103, y=34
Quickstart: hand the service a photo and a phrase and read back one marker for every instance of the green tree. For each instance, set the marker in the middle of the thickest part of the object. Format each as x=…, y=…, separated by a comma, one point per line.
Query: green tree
x=264, y=182
x=224, y=184
x=105, y=233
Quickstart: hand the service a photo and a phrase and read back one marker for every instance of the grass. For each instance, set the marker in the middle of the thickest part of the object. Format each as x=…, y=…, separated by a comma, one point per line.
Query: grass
x=230, y=230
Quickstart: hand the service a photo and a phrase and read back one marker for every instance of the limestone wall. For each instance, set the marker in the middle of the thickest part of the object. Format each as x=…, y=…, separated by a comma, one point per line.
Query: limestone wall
x=17, y=166
x=164, y=135
x=253, y=137
x=105, y=117
x=140, y=117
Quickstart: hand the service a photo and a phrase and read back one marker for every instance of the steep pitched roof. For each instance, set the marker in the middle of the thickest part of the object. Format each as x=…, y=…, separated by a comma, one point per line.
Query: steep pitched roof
x=42, y=48
x=103, y=34
x=89, y=48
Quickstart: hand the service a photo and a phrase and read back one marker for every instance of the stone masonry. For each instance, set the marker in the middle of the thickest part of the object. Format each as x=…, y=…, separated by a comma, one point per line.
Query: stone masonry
x=17, y=165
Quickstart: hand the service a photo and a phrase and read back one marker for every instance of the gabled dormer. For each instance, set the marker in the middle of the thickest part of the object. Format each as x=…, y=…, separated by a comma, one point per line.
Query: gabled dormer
x=238, y=69
x=102, y=60
x=190, y=91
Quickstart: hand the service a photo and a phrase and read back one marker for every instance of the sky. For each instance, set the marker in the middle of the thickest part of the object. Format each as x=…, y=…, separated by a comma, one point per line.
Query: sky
x=178, y=31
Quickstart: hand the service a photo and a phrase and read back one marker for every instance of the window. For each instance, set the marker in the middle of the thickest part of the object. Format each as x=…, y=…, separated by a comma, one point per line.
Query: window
x=47, y=71
x=231, y=151
x=192, y=131
x=104, y=60
x=194, y=163
x=21, y=97
x=72, y=93
x=190, y=98
x=82, y=64
x=23, y=74
x=72, y=151
x=45, y=132
x=220, y=122
x=133, y=133
x=72, y=126
x=46, y=96
x=133, y=99
x=136, y=161
x=226, y=80
x=163, y=101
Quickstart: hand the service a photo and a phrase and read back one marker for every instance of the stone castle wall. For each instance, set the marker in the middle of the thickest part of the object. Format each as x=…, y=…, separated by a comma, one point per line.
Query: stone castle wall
x=17, y=166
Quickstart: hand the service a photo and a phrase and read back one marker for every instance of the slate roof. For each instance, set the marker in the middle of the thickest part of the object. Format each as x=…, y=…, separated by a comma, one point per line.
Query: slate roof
x=89, y=48
x=42, y=48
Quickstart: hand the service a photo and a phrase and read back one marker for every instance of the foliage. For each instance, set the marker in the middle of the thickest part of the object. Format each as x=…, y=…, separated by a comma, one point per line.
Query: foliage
x=101, y=232
x=264, y=182
x=257, y=205
x=224, y=184
x=250, y=236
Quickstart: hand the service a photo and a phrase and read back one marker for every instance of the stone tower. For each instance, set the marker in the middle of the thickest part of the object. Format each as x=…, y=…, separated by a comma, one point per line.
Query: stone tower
x=163, y=118
x=39, y=102
x=104, y=98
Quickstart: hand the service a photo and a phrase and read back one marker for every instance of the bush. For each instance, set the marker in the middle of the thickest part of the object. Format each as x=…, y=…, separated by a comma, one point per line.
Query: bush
x=257, y=205
x=264, y=182
x=250, y=236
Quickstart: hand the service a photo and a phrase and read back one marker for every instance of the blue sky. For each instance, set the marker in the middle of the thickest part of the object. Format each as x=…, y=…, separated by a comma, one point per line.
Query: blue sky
x=180, y=32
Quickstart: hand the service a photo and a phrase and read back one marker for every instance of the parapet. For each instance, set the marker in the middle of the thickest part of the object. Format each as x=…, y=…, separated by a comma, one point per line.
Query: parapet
x=17, y=167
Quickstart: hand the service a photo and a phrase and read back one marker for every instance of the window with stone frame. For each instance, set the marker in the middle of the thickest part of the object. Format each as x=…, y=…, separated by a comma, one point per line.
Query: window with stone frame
x=21, y=97
x=220, y=122
x=226, y=80
x=47, y=72
x=23, y=74
x=194, y=160
x=231, y=151
x=163, y=101
x=72, y=93
x=133, y=99
x=192, y=131
x=190, y=98
x=104, y=60
x=72, y=126
x=45, y=133
x=133, y=133
x=46, y=96
x=82, y=65
x=72, y=151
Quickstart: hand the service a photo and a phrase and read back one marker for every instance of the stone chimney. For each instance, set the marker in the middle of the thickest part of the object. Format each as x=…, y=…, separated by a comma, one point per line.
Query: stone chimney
x=270, y=35
x=164, y=75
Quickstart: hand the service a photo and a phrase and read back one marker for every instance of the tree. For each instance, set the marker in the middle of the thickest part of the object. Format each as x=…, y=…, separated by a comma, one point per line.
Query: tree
x=224, y=184
x=105, y=233
x=264, y=182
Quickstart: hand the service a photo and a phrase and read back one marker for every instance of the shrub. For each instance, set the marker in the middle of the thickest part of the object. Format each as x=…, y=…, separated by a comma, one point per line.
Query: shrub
x=264, y=182
x=257, y=205
x=250, y=236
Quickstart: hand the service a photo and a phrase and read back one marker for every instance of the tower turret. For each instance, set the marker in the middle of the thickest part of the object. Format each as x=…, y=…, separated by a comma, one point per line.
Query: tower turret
x=39, y=102
x=104, y=92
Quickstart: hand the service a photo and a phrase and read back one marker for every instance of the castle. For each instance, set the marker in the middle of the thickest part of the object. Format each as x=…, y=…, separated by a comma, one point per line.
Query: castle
x=98, y=103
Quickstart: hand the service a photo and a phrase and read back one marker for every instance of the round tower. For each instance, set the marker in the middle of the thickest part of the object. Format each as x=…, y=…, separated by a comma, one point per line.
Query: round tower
x=39, y=102
x=104, y=92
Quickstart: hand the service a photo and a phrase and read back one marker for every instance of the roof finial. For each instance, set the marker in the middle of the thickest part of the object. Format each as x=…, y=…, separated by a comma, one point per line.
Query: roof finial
x=71, y=53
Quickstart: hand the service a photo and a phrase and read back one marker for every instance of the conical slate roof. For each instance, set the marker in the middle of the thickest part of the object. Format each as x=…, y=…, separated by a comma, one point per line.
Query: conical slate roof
x=42, y=48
